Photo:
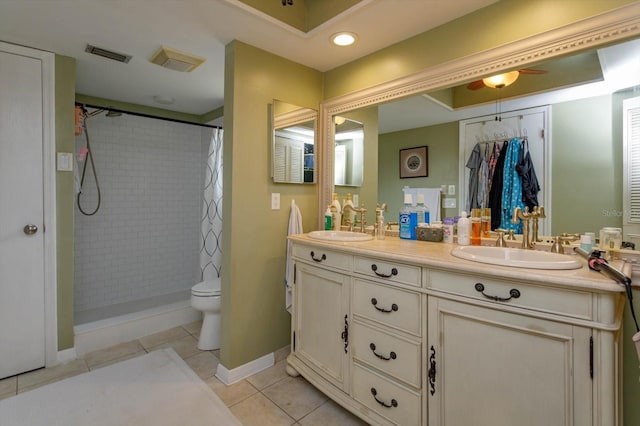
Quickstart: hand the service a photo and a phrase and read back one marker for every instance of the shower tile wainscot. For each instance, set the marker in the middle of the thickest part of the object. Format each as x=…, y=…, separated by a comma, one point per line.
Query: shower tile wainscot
x=137, y=257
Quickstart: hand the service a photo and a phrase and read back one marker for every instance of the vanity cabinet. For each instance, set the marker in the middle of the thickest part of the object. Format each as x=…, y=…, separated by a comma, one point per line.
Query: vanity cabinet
x=417, y=341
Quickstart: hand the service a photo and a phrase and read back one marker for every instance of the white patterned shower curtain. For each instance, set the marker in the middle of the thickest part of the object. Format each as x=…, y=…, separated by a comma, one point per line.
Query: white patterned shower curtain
x=211, y=226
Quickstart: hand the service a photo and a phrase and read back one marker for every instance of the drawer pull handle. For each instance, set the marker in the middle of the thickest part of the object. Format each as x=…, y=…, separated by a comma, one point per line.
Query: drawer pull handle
x=513, y=294
x=316, y=259
x=374, y=302
x=374, y=392
x=392, y=355
x=432, y=371
x=374, y=268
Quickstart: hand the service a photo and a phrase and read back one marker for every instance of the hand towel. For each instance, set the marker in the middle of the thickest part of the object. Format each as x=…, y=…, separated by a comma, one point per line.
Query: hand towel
x=295, y=227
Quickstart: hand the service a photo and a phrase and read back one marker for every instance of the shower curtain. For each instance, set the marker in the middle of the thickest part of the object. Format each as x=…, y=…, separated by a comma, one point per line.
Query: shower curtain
x=211, y=222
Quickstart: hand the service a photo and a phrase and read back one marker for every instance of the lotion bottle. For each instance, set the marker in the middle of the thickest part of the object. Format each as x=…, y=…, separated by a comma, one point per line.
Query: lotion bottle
x=328, y=219
x=337, y=214
x=464, y=230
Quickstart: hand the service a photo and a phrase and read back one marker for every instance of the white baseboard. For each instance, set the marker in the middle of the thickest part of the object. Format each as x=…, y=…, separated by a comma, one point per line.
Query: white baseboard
x=104, y=333
x=66, y=355
x=229, y=377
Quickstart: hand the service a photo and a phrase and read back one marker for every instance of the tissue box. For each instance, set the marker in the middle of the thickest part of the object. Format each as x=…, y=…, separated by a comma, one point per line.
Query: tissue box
x=428, y=233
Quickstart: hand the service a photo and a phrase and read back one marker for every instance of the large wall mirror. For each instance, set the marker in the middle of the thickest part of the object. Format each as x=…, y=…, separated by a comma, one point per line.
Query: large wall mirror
x=579, y=84
x=293, y=144
x=348, y=156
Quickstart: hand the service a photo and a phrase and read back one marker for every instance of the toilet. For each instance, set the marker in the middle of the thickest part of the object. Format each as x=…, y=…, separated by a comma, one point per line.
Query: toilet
x=205, y=297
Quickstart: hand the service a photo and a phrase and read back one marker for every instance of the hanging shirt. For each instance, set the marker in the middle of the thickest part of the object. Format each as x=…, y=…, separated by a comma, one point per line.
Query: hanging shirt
x=495, y=195
x=512, y=187
x=483, y=175
x=473, y=164
x=493, y=159
x=530, y=185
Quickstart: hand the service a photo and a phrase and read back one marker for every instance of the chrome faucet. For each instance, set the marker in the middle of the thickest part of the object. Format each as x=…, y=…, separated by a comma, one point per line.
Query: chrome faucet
x=525, y=216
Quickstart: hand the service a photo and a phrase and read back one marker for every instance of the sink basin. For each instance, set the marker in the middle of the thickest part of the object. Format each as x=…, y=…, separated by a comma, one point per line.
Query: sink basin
x=343, y=236
x=517, y=258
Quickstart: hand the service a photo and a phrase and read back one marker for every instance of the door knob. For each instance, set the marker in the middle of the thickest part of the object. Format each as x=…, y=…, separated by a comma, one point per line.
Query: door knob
x=30, y=229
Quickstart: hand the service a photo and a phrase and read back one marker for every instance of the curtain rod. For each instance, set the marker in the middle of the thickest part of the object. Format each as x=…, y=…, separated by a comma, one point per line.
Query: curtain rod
x=139, y=114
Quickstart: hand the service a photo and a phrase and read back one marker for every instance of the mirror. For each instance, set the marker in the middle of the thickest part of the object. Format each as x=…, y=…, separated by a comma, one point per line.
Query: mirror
x=349, y=152
x=293, y=143
x=568, y=167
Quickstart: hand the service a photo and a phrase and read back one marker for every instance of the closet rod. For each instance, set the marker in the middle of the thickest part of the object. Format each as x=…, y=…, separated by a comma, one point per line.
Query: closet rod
x=139, y=114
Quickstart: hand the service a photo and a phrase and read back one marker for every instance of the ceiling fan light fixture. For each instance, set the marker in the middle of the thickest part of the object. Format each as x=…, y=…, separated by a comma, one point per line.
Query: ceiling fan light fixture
x=501, y=80
x=344, y=38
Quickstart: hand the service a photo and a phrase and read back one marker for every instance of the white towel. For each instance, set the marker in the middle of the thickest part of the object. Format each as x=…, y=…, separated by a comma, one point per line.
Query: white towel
x=295, y=227
x=431, y=200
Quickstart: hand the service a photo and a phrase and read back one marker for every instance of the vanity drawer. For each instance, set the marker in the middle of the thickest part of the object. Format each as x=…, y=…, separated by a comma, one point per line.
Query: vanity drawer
x=395, y=356
x=389, y=271
x=560, y=301
x=389, y=399
x=323, y=257
x=394, y=307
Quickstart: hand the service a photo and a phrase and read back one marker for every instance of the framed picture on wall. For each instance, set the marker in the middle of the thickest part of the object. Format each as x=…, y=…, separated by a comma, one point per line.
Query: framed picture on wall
x=414, y=162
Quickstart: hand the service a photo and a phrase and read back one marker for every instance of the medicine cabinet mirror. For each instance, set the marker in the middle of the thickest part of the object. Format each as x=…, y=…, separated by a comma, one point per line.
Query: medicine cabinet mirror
x=294, y=143
x=349, y=152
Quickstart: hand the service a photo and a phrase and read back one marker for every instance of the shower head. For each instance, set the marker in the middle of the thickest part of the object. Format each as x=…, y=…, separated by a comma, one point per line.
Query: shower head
x=112, y=113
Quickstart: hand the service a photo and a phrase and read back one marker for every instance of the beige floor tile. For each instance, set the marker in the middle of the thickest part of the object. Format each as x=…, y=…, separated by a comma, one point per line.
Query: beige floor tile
x=114, y=361
x=8, y=387
x=157, y=339
x=331, y=414
x=186, y=346
x=282, y=353
x=295, y=396
x=204, y=364
x=44, y=376
x=103, y=356
x=193, y=328
x=233, y=394
x=268, y=377
x=258, y=410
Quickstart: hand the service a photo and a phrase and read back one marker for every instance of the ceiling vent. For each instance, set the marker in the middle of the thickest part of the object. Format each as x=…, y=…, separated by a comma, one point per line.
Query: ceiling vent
x=175, y=60
x=109, y=54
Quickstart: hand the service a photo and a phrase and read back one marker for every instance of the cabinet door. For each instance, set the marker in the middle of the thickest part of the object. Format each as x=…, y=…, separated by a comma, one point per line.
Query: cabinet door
x=502, y=369
x=321, y=316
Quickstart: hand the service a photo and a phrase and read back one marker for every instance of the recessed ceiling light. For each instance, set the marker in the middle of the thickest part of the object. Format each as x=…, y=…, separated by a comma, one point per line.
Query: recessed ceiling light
x=343, y=38
x=164, y=100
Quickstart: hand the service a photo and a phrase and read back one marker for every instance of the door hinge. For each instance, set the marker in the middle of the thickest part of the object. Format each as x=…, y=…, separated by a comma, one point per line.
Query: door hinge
x=591, y=357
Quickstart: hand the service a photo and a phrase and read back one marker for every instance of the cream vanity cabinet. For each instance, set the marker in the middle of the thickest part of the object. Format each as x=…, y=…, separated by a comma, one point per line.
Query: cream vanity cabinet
x=414, y=341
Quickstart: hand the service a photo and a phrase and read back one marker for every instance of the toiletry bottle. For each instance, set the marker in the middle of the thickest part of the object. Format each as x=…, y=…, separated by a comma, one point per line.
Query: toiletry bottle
x=447, y=229
x=328, y=219
x=337, y=214
x=349, y=216
x=464, y=230
x=585, y=243
x=380, y=226
x=408, y=219
x=423, y=211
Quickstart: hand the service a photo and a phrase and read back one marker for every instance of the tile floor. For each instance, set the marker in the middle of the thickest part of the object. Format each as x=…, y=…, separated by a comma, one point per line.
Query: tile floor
x=268, y=398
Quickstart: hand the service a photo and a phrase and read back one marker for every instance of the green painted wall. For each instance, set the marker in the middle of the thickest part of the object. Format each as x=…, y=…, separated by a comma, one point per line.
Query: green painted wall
x=254, y=319
x=65, y=80
x=442, y=141
x=508, y=20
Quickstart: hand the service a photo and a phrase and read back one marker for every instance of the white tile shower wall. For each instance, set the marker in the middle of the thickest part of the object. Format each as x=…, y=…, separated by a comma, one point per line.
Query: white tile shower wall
x=144, y=239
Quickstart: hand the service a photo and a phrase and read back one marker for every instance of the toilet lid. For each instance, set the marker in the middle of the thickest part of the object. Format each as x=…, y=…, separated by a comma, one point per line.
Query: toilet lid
x=207, y=288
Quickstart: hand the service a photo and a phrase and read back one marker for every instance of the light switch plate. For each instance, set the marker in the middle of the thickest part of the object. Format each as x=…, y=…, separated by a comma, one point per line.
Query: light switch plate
x=451, y=190
x=449, y=203
x=275, y=201
x=65, y=162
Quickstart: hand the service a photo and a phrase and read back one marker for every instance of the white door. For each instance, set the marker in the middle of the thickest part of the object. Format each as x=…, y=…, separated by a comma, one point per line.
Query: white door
x=22, y=289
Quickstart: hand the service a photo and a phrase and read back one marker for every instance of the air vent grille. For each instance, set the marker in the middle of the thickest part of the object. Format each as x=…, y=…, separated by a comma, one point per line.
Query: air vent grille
x=109, y=54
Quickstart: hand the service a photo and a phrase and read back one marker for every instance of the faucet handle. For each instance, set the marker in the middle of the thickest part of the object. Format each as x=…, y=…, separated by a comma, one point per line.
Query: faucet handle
x=500, y=242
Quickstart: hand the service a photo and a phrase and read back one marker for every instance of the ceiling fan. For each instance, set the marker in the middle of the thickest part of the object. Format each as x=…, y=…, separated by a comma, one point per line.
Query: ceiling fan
x=502, y=80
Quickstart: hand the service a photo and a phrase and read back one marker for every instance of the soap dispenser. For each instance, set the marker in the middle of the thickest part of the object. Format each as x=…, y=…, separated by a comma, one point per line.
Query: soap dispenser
x=464, y=230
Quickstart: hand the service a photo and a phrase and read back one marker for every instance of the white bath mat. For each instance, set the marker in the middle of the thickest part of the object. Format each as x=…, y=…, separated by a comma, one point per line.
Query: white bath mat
x=158, y=388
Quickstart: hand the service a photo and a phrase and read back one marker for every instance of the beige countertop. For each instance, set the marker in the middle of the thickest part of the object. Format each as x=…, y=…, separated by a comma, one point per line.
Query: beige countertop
x=438, y=255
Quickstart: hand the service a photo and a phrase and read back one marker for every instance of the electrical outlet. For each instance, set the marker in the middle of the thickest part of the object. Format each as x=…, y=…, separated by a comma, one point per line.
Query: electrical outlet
x=451, y=190
x=356, y=200
x=65, y=162
x=449, y=203
x=275, y=201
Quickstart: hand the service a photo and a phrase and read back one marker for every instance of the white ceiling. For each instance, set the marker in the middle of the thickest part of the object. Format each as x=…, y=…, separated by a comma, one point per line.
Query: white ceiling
x=203, y=28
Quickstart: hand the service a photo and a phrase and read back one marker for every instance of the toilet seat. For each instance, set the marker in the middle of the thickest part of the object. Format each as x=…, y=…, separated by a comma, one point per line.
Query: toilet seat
x=207, y=288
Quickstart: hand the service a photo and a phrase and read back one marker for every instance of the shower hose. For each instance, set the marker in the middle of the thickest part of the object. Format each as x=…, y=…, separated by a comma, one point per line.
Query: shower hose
x=95, y=176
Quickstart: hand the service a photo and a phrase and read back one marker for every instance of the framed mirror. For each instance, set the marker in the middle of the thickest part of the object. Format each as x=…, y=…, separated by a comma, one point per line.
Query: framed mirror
x=293, y=149
x=527, y=53
x=348, y=152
